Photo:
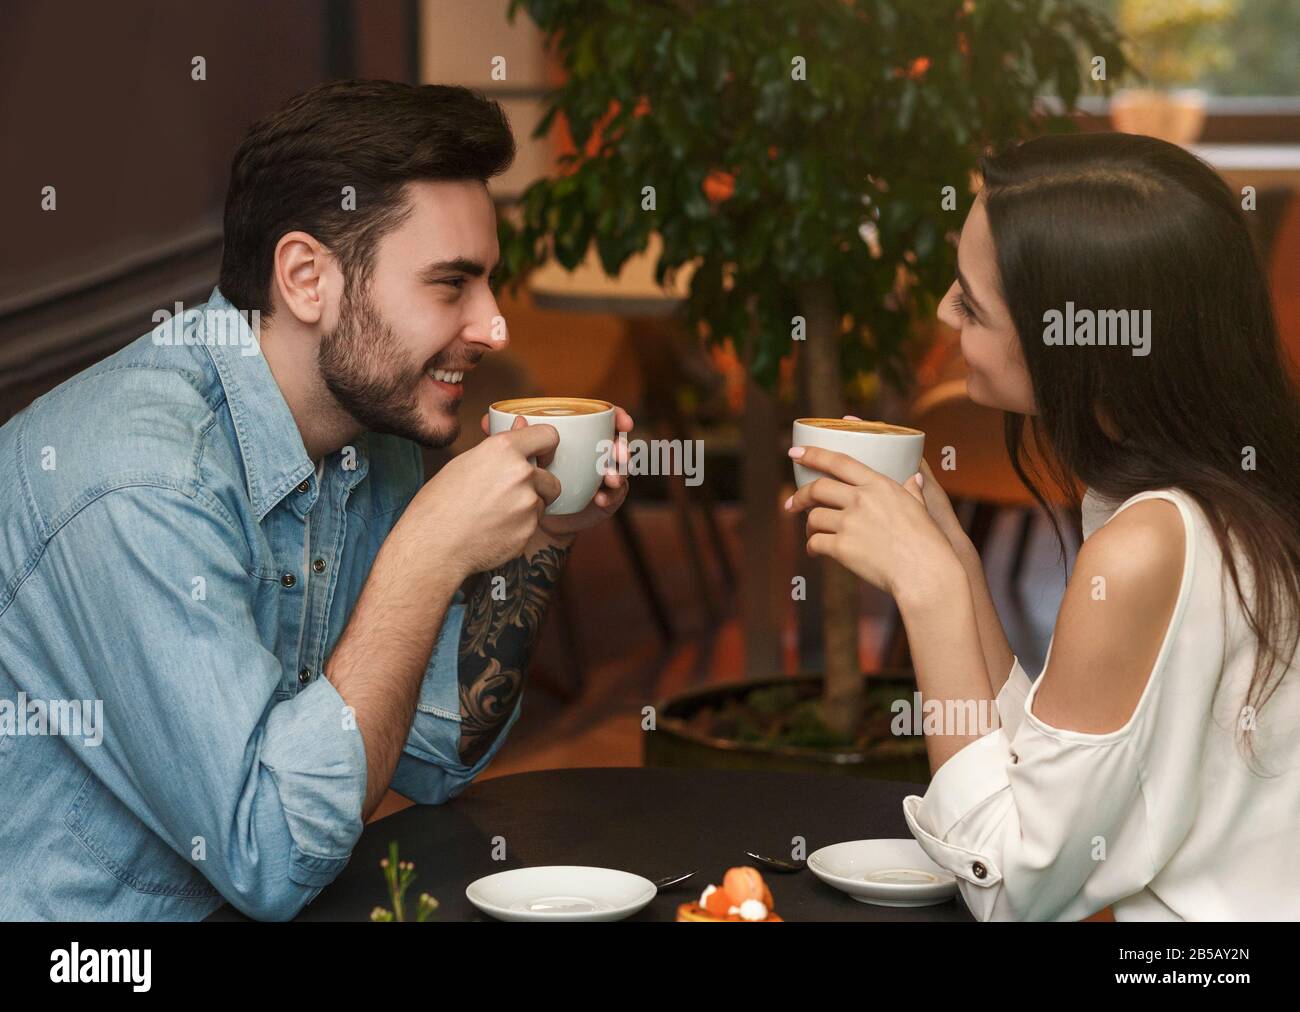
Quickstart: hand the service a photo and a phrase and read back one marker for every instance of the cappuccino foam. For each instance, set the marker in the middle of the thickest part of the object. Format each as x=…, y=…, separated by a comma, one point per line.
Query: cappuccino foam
x=552, y=407
x=848, y=425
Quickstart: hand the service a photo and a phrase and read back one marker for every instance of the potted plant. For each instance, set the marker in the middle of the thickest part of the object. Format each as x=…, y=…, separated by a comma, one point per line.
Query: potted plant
x=1172, y=45
x=812, y=165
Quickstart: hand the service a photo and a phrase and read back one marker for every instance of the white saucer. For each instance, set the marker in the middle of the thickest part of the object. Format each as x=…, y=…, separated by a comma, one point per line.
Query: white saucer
x=561, y=893
x=888, y=873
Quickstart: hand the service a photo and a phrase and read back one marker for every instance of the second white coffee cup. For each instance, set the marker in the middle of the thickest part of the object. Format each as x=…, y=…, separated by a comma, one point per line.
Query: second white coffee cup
x=894, y=451
x=579, y=454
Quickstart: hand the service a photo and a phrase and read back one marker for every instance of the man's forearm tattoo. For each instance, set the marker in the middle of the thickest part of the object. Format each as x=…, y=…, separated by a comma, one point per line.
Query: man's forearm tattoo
x=502, y=619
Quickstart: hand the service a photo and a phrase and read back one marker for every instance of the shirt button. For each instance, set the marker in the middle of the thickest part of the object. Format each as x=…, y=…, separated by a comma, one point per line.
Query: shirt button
x=304, y=486
x=288, y=580
x=304, y=676
x=318, y=566
x=1014, y=758
x=978, y=870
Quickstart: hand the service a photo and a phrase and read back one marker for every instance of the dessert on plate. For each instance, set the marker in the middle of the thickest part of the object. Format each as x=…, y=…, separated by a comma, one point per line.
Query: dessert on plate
x=744, y=896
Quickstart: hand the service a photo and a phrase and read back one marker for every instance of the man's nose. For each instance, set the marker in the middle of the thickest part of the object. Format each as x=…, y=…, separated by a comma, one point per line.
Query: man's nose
x=488, y=326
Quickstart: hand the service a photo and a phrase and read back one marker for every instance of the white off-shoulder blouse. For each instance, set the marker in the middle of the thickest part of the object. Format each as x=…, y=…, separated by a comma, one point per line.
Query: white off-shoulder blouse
x=1163, y=819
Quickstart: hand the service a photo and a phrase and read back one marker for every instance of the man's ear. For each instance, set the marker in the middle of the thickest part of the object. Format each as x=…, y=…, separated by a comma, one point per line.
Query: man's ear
x=305, y=276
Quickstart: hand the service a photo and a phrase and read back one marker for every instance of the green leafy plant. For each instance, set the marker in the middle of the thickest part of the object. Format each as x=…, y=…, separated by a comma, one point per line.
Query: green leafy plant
x=400, y=876
x=812, y=160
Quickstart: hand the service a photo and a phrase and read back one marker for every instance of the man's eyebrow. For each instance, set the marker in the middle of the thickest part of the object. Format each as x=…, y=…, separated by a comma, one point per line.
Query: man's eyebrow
x=458, y=265
x=966, y=290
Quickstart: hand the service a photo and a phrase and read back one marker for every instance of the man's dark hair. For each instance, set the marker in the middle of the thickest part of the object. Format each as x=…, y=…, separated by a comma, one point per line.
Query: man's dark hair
x=290, y=171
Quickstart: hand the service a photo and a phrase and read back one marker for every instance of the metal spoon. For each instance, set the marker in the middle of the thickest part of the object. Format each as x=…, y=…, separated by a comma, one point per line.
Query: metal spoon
x=672, y=880
x=778, y=863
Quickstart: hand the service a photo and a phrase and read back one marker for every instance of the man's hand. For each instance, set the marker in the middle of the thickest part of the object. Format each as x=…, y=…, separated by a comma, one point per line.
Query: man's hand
x=483, y=506
x=475, y=514
x=562, y=530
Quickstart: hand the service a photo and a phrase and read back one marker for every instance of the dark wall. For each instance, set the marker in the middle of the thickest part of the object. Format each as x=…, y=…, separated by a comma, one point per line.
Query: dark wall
x=98, y=100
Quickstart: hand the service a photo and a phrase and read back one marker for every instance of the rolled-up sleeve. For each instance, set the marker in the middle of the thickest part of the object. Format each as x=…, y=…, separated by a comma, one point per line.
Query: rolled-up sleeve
x=195, y=743
x=1037, y=823
x=317, y=760
x=430, y=770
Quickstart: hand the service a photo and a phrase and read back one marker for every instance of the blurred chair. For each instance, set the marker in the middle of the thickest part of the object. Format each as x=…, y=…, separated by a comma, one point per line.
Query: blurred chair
x=675, y=370
x=1281, y=244
x=587, y=354
x=655, y=368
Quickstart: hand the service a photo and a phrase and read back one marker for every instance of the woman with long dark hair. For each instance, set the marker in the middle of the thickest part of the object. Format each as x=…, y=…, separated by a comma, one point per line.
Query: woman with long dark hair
x=1109, y=296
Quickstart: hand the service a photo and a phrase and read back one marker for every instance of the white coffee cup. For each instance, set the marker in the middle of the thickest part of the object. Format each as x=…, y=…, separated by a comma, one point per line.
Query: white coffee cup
x=583, y=424
x=893, y=450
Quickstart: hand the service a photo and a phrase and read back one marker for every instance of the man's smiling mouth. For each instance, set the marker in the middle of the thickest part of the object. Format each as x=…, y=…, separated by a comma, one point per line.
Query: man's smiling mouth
x=448, y=375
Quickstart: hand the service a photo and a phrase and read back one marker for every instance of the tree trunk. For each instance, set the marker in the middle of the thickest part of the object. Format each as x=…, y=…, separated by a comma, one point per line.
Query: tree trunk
x=809, y=614
x=762, y=471
x=843, y=696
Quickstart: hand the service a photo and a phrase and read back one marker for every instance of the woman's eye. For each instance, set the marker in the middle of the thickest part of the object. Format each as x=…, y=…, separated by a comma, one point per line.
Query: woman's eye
x=959, y=304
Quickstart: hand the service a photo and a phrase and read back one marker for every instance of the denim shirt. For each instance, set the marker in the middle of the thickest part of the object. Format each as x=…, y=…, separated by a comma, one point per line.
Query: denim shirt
x=173, y=576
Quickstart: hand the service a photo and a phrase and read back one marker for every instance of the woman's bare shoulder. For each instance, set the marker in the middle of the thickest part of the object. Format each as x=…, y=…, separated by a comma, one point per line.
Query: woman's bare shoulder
x=1114, y=619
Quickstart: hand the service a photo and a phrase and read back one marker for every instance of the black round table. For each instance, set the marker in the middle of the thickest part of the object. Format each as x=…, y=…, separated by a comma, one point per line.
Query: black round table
x=653, y=822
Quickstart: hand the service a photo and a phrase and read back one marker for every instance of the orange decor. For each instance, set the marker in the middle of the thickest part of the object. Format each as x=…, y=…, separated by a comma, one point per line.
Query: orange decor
x=563, y=138
x=915, y=70
x=719, y=186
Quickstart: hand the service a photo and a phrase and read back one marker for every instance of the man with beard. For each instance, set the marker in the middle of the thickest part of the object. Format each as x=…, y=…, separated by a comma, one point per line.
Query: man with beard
x=223, y=533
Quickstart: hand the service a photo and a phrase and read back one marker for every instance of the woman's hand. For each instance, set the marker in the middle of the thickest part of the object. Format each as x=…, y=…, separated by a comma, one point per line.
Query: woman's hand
x=938, y=505
x=940, y=509
x=871, y=525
